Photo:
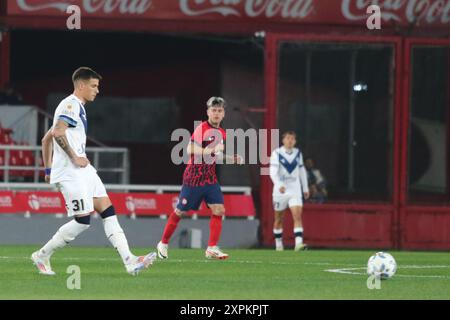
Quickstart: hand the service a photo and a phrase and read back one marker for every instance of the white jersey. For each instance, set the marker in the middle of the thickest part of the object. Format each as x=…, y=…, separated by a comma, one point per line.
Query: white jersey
x=71, y=111
x=287, y=170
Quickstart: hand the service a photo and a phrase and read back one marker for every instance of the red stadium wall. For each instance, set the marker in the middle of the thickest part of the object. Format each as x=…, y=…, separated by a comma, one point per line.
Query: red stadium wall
x=427, y=226
x=4, y=58
x=395, y=224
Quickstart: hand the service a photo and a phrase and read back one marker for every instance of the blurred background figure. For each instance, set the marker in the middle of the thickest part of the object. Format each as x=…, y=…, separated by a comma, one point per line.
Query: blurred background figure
x=316, y=181
x=8, y=95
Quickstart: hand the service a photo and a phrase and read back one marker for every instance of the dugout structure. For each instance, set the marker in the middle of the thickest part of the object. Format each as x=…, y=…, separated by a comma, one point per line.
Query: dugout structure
x=370, y=106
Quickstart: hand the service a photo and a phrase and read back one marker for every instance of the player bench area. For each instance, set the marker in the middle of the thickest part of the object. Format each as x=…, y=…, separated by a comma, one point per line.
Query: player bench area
x=29, y=211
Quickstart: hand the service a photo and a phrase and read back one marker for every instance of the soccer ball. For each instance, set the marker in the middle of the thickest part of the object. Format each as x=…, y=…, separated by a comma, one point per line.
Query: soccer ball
x=382, y=265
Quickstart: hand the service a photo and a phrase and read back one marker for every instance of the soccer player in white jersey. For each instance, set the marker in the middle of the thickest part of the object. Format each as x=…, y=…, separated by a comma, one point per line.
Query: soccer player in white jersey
x=289, y=179
x=63, y=150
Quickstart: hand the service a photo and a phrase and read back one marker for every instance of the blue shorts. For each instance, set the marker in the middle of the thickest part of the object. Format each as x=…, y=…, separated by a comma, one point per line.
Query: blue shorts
x=191, y=198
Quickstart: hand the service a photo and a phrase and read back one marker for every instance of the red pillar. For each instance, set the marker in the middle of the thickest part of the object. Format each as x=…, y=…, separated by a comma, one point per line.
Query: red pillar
x=4, y=57
x=401, y=210
x=448, y=124
x=266, y=216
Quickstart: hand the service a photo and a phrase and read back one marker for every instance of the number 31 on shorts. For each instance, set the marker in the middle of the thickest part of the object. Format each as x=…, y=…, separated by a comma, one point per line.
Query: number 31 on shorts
x=78, y=205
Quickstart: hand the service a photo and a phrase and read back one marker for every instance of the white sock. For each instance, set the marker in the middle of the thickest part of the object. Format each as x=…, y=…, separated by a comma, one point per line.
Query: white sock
x=298, y=232
x=62, y=237
x=116, y=236
x=278, y=237
x=278, y=242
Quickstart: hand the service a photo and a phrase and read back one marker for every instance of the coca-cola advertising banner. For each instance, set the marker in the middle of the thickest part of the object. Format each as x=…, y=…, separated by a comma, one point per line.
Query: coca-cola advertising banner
x=147, y=204
x=425, y=13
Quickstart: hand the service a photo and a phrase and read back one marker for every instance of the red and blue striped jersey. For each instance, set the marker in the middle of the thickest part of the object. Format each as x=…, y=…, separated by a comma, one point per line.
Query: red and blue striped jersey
x=201, y=170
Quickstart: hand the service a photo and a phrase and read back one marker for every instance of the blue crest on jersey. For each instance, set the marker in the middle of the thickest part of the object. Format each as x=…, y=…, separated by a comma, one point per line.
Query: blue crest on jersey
x=289, y=166
x=83, y=117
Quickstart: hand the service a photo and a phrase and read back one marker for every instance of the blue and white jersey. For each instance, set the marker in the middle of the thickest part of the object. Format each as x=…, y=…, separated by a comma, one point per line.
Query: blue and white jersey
x=287, y=170
x=71, y=111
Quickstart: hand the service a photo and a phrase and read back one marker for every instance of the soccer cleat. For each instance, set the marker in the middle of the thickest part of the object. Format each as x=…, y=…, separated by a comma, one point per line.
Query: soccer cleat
x=300, y=247
x=141, y=262
x=43, y=264
x=162, y=250
x=215, y=253
x=279, y=247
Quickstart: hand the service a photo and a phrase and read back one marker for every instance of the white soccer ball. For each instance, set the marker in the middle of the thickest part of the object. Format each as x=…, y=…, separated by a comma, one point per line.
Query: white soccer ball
x=382, y=265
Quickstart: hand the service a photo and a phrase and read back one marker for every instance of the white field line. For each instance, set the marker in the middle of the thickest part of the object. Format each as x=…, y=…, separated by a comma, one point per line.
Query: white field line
x=191, y=260
x=353, y=272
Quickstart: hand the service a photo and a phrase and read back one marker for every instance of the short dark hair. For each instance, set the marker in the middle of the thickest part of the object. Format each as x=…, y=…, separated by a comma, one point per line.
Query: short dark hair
x=289, y=133
x=216, y=102
x=85, y=73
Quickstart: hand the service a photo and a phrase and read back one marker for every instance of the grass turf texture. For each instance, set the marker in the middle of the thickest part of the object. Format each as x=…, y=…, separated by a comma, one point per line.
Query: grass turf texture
x=248, y=274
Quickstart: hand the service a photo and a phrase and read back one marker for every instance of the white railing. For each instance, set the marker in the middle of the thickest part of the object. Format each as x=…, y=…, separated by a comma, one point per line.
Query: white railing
x=6, y=168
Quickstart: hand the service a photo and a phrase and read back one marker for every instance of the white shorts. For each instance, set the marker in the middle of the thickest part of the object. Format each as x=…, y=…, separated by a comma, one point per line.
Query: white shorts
x=281, y=203
x=79, y=193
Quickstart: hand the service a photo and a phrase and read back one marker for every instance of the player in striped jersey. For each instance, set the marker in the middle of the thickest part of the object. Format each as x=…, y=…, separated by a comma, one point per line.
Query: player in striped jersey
x=200, y=180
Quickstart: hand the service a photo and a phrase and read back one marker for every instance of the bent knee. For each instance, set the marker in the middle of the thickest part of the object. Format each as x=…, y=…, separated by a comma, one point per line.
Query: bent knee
x=84, y=220
x=179, y=213
x=218, y=210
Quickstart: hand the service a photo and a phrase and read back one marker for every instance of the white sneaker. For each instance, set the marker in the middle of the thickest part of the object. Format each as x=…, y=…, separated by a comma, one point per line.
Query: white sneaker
x=300, y=247
x=162, y=250
x=215, y=253
x=141, y=262
x=43, y=264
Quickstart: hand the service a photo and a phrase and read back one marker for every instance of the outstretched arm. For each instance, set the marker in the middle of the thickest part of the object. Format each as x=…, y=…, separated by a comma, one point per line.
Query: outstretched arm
x=195, y=149
x=230, y=159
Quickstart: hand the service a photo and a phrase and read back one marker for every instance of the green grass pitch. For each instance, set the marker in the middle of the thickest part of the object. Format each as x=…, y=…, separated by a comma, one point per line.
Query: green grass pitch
x=248, y=274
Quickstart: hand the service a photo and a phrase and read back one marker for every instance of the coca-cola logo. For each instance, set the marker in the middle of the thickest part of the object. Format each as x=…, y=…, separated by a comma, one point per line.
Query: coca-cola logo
x=293, y=9
x=429, y=11
x=398, y=11
x=90, y=6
